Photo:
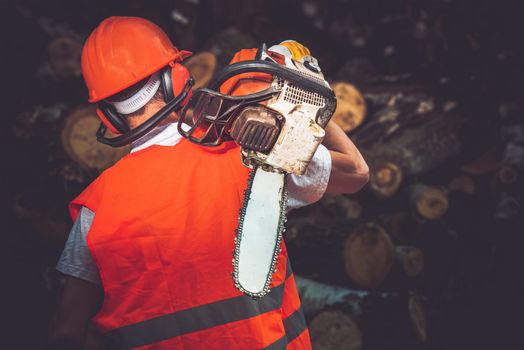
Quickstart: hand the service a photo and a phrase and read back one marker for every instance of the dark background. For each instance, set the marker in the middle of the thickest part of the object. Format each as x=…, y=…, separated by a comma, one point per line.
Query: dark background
x=466, y=52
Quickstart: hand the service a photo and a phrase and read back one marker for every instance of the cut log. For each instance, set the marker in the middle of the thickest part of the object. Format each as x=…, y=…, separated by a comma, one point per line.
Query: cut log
x=507, y=174
x=396, y=319
x=316, y=296
x=202, y=67
x=512, y=136
x=354, y=254
x=409, y=263
x=368, y=255
x=410, y=259
x=428, y=201
x=463, y=184
x=507, y=179
x=79, y=141
x=366, y=260
x=351, y=107
x=335, y=330
x=411, y=129
x=385, y=178
x=323, y=238
x=508, y=208
x=417, y=314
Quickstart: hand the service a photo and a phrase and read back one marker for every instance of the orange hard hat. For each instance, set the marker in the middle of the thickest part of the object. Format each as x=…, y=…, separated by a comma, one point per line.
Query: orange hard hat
x=122, y=51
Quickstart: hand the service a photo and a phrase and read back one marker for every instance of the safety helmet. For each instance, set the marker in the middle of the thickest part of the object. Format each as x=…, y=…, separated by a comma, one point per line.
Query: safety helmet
x=121, y=52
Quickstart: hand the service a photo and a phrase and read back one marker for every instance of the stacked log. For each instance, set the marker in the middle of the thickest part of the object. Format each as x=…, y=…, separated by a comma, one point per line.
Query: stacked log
x=201, y=66
x=79, y=140
x=452, y=127
x=342, y=318
x=410, y=259
x=361, y=257
x=428, y=202
x=410, y=129
x=368, y=255
x=351, y=106
x=334, y=329
x=385, y=178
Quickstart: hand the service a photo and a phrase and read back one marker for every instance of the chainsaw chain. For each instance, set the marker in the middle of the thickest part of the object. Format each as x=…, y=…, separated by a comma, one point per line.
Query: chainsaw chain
x=238, y=235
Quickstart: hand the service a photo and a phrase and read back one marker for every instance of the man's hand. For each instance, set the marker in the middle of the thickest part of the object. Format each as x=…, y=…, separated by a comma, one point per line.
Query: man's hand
x=349, y=171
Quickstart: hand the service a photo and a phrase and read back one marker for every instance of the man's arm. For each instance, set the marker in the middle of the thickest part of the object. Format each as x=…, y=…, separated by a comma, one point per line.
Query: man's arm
x=80, y=299
x=349, y=170
x=82, y=291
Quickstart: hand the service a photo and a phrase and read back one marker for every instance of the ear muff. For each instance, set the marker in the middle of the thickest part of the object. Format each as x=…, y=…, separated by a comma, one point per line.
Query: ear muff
x=174, y=78
x=111, y=118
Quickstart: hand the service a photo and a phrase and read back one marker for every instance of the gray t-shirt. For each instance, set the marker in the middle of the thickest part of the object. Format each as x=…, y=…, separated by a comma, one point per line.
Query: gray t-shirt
x=76, y=259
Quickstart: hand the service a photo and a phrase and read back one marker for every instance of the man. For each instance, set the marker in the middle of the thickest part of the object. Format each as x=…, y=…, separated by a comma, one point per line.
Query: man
x=153, y=235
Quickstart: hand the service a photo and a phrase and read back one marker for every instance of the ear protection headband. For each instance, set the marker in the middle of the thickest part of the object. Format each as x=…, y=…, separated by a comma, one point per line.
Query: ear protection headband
x=174, y=82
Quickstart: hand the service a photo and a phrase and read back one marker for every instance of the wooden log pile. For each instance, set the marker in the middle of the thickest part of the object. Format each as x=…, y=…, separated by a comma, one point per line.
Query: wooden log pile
x=431, y=97
x=346, y=318
x=426, y=197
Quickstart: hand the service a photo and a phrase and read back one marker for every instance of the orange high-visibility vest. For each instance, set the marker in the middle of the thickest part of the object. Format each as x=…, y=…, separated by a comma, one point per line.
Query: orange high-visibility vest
x=163, y=238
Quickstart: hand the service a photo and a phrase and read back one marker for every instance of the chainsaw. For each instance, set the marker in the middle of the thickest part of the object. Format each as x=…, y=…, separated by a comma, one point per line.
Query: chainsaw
x=279, y=130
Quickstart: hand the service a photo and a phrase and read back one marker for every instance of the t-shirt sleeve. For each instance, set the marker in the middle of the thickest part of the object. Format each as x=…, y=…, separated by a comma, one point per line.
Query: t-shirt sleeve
x=310, y=187
x=76, y=259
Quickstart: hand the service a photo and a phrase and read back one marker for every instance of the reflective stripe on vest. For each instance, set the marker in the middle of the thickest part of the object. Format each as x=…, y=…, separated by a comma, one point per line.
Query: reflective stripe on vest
x=236, y=309
x=295, y=324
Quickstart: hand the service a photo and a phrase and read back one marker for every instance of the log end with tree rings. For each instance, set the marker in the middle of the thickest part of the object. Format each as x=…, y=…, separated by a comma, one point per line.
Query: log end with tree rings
x=64, y=56
x=462, y=184
x=368, y=255
x=385, y=178
x=411, y=260
x=79, y=141
x=507, y=174
x=351, y=107
x=201, y=66
x=335, y=330
x=417, y=314
x=428, y=201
